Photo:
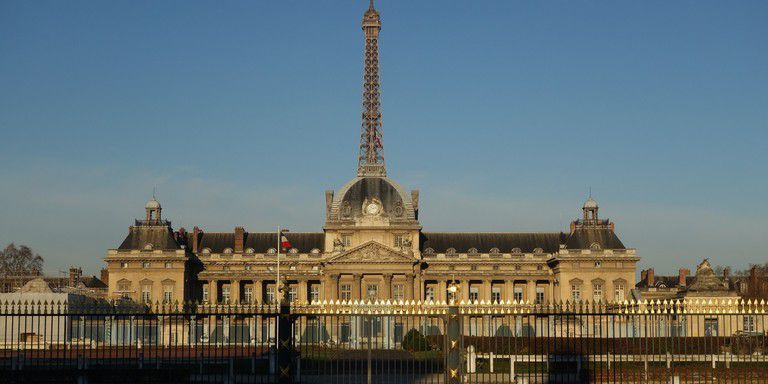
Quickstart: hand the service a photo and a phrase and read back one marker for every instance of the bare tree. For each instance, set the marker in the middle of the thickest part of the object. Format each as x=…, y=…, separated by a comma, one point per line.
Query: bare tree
x=20, y=261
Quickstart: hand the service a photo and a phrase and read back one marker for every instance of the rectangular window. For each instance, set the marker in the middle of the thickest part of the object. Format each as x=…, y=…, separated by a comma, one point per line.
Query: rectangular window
x=519, y=294
x=496, y=294
x=346, y=240
x=205, y=293
x=398, y=241
x=749, y=323
x=597, y=292
x=293, y=293
x=168, y=265
x=618, y=294
x=146, y=264
x=146, y=294
x=314, y=293
x=168, y=293
x=398, y=292
x=539, y=295
x=575, y=292
x=270, y=299
x=429, y=293
x=474, y=294
x=344, y=332
x=123, y=265
x=710, y=327
x=248, y=294
x=225, y=294
x=345, y=291
x=372, y=292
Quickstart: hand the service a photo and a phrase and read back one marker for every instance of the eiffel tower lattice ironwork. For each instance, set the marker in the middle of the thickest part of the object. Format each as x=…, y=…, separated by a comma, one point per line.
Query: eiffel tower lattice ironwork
x=371, y=160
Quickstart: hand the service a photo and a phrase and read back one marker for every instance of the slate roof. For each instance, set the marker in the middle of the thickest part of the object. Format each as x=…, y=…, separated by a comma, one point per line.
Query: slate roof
x=161, y=237
x=583, y=238
x=484, y=241
x=261, y=242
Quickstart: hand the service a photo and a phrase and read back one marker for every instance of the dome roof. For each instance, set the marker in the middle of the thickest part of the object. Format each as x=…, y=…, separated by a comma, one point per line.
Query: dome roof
x=590, y=203
x=395, y=202
x=152, y=204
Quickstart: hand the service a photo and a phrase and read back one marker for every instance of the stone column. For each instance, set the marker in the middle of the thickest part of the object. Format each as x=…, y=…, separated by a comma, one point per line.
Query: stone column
x=258, y=295
x=509, y=290
x=486, y=294
x=441, y=291
x=357, y=287
x=332, y=289
x=302, y=291
x=387, y=286
x=213, y=292
x=530, y=293
x=234, y=287
x=409, y=288
x=464, y=290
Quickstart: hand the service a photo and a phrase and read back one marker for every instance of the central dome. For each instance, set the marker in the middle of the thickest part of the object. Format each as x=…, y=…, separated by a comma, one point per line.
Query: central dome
x=396, y=203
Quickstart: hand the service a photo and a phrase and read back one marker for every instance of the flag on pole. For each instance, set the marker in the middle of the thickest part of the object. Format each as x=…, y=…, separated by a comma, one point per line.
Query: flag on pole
x=284, y=243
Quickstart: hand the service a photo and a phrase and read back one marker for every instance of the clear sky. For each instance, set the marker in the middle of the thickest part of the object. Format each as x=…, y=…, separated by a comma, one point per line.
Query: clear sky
x=503, y=114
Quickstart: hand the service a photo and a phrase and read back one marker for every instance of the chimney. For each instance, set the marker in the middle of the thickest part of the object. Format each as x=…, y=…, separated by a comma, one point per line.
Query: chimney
x=726, y=273
x=74, y=276
x=573, y=229
x=651, y=280
x=105, y=275
x=328, y=203
x=682, y=276
x=612, y=226
x=195, y=239
x=643, y=275
x=239, y=239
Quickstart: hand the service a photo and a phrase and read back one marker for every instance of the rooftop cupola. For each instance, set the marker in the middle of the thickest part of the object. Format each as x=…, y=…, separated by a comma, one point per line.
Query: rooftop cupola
x=154, y=210
x=590, y=209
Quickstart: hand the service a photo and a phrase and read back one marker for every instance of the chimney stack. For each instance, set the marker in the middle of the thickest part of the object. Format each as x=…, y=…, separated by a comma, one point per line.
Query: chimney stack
x=195, y=239
x=682, y=277
x=239, y=239
x=643, y=275
x=74, y=275
x=651, y=280
x=105, y=275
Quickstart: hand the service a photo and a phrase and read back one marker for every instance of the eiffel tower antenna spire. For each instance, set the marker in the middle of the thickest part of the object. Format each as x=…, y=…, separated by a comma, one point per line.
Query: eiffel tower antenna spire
x=371, y=160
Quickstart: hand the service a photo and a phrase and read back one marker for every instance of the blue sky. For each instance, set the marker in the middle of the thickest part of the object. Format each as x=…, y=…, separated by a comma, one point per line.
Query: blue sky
x=503, y=114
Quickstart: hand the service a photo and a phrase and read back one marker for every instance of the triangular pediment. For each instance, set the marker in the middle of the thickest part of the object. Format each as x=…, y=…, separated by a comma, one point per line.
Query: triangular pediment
x=372, y=252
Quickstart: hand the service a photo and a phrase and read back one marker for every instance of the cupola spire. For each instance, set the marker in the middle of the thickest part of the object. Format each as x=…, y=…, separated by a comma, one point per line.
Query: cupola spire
x=371, y=160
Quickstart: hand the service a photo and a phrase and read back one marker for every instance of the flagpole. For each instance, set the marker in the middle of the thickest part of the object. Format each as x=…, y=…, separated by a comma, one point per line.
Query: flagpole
x=278, y=292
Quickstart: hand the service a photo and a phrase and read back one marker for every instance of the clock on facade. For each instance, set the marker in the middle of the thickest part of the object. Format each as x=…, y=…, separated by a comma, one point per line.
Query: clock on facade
x=372, y=209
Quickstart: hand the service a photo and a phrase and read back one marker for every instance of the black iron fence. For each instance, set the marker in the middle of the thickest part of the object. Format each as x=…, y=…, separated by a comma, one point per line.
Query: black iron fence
x=698, y=341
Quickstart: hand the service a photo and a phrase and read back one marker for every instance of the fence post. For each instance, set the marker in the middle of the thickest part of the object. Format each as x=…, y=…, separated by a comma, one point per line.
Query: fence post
x=454, y=346
x=285, y=361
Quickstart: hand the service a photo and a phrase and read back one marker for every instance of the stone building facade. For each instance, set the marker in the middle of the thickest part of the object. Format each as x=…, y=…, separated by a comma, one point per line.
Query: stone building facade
x=372, y=246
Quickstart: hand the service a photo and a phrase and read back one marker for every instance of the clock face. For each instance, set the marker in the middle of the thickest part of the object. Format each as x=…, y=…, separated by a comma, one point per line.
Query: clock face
x=372, y=209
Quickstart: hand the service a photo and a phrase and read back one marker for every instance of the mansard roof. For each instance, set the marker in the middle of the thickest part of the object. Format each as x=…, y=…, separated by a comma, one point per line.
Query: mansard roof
x=485, y=241
x=583, y=238
x=159, y=236
x=261, y=242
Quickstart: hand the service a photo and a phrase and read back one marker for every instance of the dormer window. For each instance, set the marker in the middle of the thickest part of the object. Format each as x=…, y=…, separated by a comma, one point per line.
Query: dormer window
x=249, y=250
x=148, y=246
x=227, y=250
x=538, y=251
x=314, y=251
x=206, y=251
x=473, y=251
x=293, y=251
x=517, y=251
x=272, y=251
x=595, y=247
